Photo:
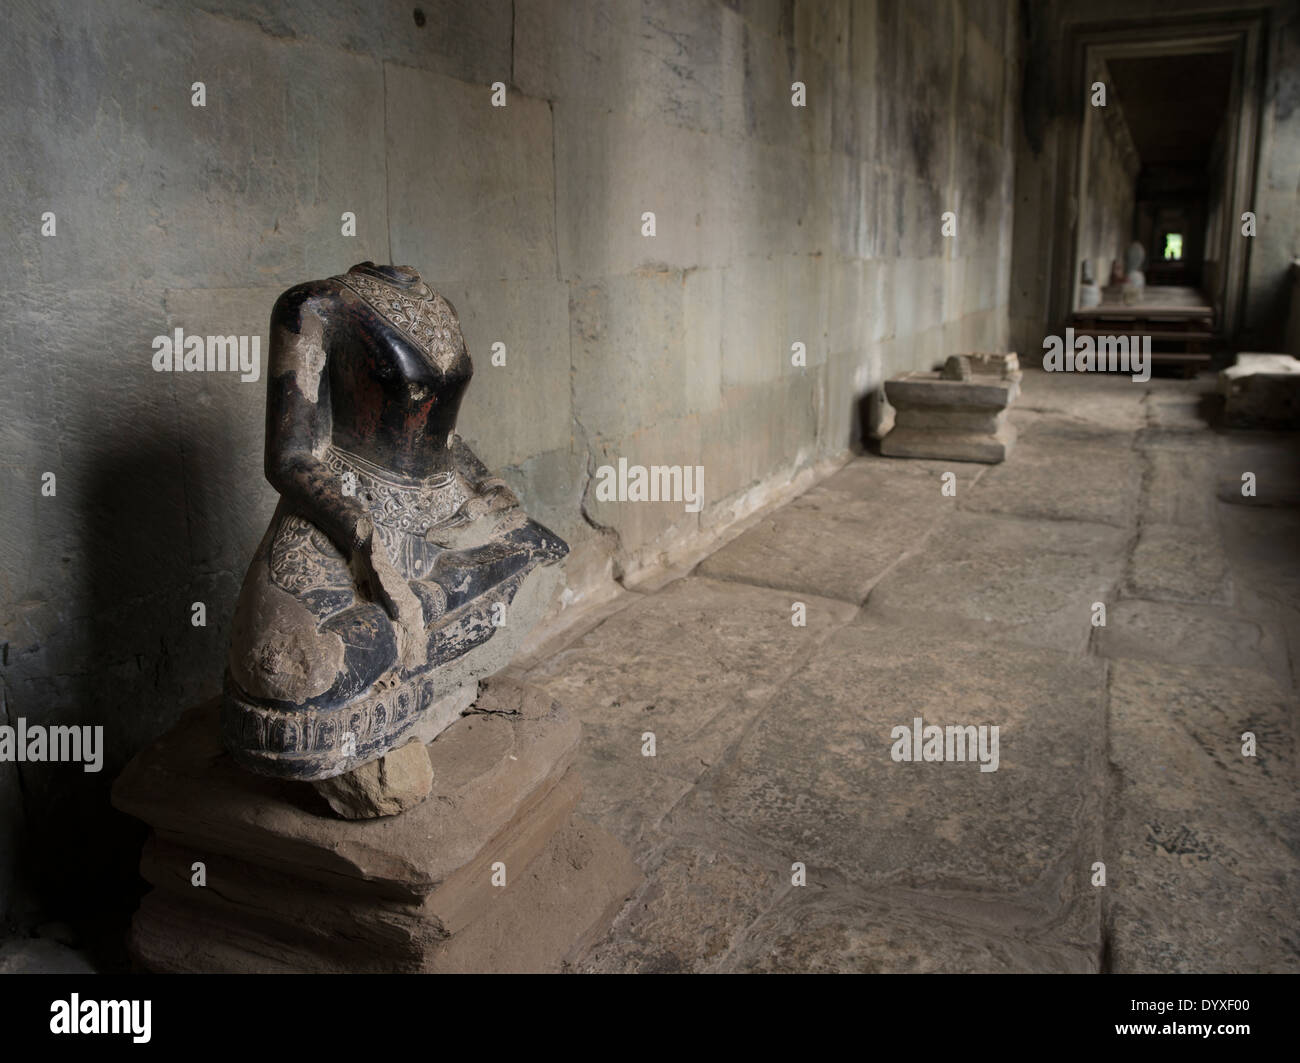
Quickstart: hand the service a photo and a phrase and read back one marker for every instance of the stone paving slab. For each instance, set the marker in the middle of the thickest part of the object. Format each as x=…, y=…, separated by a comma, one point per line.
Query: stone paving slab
x=1030, y=582
x=1179, y=563
x=1190, y=635
x=1189, y=412
x=1052, y=428
x=1179, y=487
x=1054, y=477
x=837, y=539
x=717, y=900
x=1202, y=869
x=1215, y=708
x=862, y=488
x=840, y=931
x=1275, y=462
x=813, y=777
x=1261, y=547
x=698, y=902
x=692, y=664
x=1151, y=438
x=1111, y=401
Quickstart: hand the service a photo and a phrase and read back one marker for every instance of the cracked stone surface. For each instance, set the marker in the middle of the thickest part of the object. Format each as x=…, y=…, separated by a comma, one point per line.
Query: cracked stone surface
x=777, y=832
x=815, y=544
x=1065, y=477
x=1031, y=582
x=1177, y=563
x=721, y=652
x=1204, y=873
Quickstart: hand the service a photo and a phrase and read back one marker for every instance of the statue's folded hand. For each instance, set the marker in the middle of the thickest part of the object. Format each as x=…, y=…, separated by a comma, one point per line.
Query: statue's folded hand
x=373, y=570
x=493, y=496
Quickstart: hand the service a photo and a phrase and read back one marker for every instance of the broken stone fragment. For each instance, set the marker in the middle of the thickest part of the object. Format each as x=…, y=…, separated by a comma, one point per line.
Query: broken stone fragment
x=1005, y=365
x=395, y=782
x=1262, y=390
x=957, y=367
x=1002, y=366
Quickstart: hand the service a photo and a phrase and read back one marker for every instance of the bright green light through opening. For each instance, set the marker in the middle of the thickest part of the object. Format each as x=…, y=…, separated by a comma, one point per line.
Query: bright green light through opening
x=1173, y=246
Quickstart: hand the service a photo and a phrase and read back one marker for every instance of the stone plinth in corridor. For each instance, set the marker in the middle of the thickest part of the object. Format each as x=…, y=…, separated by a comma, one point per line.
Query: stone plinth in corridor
x=1261, y=391
x=958, y=413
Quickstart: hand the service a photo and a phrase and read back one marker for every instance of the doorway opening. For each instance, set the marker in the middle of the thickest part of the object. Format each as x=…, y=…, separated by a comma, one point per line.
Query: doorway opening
x=1163, y=168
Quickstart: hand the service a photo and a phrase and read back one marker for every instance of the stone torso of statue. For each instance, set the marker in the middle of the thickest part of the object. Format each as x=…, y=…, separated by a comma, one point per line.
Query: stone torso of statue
x=396, y=379
x=1134, y=257
x=393, y=552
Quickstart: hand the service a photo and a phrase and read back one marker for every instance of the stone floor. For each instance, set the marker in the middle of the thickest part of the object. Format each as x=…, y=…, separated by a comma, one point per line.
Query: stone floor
x=1119, y=744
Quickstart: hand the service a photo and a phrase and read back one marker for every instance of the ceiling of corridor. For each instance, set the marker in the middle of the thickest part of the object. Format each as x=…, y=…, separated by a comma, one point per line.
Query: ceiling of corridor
x=1173, y=104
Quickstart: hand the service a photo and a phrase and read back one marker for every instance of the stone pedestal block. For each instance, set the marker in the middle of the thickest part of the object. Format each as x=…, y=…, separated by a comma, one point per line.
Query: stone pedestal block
x=1261, y=391
x=492, y=872
x=959, y=413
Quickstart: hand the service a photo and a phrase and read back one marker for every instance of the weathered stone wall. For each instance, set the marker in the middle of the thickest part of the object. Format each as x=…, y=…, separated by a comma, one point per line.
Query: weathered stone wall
x=1106, y=227
x=1292, y=342
x=1216, y=204
x=775, y=225
x=1277, y=196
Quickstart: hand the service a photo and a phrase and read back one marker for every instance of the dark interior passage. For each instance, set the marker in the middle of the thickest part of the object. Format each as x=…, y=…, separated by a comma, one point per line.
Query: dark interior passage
x=1175, y=107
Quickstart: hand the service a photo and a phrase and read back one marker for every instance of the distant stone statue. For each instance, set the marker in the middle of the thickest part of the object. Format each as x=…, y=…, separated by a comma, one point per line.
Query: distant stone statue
x=391, y=562
x=1089, y=291
x=1134, y=258
x=1134, y=279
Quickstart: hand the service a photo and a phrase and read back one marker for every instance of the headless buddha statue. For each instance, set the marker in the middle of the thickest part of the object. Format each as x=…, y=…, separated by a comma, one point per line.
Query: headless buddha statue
x=393, y=554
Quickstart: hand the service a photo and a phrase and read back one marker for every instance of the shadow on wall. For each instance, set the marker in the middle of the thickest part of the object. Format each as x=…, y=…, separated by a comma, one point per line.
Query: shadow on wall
x=141, y=659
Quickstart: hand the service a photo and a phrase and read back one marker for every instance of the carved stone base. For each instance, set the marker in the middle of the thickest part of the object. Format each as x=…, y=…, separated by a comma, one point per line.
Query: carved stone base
x=989, y=442
x=1261, y=391
x=290, y=887
x=959, y=415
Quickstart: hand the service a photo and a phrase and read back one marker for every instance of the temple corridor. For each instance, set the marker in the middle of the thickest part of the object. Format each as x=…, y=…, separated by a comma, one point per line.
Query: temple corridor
x=636, y=486
x=1118, y=742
